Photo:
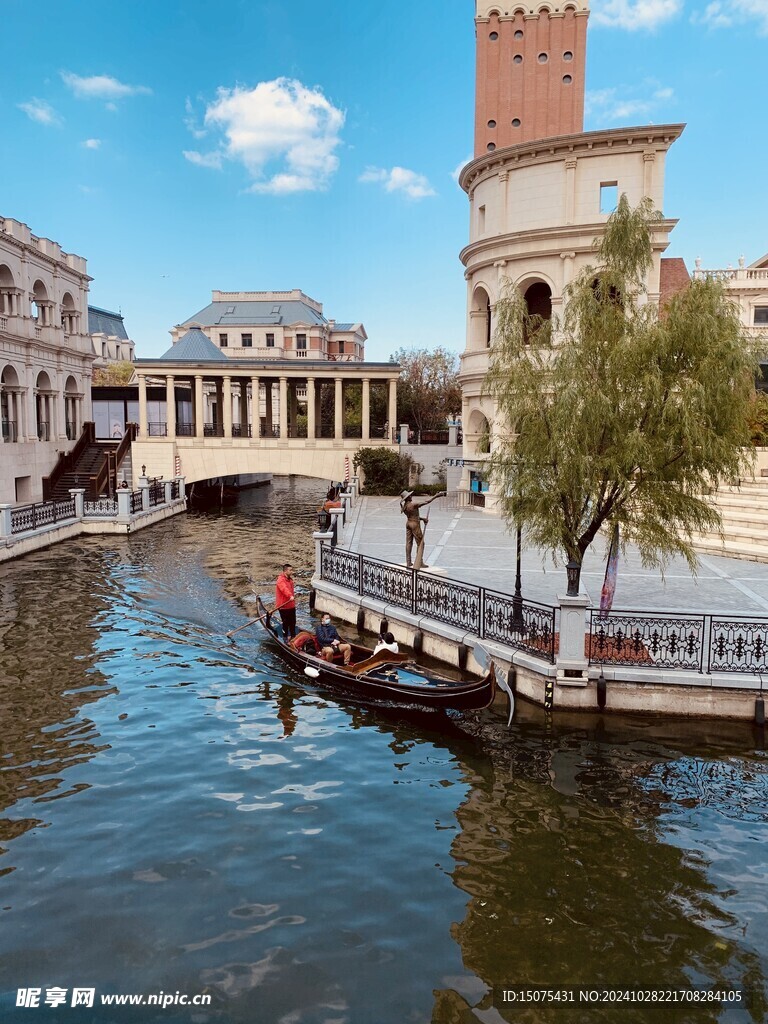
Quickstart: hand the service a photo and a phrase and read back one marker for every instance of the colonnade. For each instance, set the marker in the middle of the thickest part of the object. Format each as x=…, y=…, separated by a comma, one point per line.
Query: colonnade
x=260, y=404
x=39, y=411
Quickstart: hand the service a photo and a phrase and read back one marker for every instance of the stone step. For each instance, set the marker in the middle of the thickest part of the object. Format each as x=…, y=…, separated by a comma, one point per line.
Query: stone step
x=732, y=549
x=739, y=531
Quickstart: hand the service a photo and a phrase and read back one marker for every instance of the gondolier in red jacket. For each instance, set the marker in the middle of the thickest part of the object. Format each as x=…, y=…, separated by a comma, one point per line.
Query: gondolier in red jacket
x=285, y=601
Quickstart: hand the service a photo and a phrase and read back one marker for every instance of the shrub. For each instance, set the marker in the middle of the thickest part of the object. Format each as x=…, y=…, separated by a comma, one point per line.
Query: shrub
x=385, y=470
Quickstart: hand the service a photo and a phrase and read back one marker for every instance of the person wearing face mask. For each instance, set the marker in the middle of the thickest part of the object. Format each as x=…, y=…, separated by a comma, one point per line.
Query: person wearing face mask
x=330, y=641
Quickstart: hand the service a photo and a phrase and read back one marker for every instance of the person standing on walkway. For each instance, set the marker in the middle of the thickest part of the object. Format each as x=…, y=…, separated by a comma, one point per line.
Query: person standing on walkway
x=413, y=530
x=285, y=601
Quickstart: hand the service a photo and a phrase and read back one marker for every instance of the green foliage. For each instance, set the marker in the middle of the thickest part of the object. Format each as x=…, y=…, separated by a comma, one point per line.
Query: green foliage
x=113, y=375
x=428, y=392
x=630, y=417
x=386, y=471
x=757, y=419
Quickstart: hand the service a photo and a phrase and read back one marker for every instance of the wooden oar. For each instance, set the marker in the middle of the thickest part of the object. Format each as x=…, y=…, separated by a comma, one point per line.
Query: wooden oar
x=259, y=618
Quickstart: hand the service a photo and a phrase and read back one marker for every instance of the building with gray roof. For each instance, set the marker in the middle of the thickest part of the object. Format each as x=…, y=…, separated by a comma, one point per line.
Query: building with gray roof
x=273, y=325
x=109, y=337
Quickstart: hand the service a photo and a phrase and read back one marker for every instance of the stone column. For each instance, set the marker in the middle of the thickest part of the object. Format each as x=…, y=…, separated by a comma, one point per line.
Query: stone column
x=143, y=425
x=78, y=493
x=226, y=406
x=60, y=404
x=199, y=415
x=319, y=538
x=293, y=408
x=255, y=409
x=123, y=503
x=338, y=410
x=170, y=406
x=5, y=527
x=392, y=417
x=283, y=411
x=30, y=427
x=268, y=408
x=311, y=423
x=337, y=524
x=366, y=409
x=243, y=407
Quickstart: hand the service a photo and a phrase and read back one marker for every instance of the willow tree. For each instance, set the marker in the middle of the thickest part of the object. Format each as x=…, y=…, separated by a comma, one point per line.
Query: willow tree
x=622, y=415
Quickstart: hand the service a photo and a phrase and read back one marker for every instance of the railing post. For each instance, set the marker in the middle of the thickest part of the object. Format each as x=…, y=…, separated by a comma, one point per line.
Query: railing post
x=168, y=485
x=123, y=503
x=360, y=574
x=706, y=641
x=320, y=537
x=78, y=493
x=346, y=498
x=571, y=658
x=5, y=520
x=144, y=488
x=413, y=591
x=337, y=524
x=481, y=612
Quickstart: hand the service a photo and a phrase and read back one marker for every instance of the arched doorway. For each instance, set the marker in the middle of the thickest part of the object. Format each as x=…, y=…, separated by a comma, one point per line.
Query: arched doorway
x=10, y=403
x=44, y=407
x=480, y=321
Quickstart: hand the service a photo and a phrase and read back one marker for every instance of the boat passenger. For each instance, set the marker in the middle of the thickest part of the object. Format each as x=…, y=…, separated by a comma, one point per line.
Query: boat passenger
x=386, y=642
x=330, y=641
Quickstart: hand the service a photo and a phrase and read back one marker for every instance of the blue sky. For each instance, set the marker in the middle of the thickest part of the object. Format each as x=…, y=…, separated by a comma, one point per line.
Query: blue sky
x=182, y=146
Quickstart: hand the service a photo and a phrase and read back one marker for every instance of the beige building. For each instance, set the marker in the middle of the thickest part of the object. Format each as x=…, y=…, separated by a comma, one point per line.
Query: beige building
x=747, y=286
x=536, y=206
x=274, y=325
x=111, y=343
x=46, y=357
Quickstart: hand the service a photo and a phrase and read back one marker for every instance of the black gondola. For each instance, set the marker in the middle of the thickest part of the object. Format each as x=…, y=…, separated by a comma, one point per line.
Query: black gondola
x=383, y=678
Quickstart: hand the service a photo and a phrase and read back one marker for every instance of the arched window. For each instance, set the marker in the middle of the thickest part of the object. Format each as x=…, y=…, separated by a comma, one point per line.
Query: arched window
x=480, y=320
x=538, y=304
x=10, y=403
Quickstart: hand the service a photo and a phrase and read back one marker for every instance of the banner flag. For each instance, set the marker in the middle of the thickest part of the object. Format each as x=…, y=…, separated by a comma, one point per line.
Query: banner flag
x=611, y=570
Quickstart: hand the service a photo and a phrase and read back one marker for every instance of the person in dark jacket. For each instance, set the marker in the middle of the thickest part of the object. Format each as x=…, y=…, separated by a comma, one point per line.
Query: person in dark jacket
x=330, y=641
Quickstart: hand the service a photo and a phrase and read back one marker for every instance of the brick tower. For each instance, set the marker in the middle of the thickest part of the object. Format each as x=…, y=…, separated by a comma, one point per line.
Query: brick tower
x=530, y=71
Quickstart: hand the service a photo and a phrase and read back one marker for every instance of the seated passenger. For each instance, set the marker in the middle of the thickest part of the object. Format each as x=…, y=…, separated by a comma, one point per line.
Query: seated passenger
x=386, y=643
x=330, y=641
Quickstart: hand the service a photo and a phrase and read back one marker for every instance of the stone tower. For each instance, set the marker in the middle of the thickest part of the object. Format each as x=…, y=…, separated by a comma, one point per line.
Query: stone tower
x=530, y=71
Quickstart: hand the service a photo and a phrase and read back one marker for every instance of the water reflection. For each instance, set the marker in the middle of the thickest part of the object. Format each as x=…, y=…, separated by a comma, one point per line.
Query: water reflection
x=228, y=828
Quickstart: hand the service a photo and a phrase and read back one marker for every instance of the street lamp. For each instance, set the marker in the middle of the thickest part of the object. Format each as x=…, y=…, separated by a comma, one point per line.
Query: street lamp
x=517, y=600
x=573, y=570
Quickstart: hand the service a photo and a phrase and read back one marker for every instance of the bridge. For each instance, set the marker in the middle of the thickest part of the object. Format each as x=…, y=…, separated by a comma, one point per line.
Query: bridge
x=224, y=416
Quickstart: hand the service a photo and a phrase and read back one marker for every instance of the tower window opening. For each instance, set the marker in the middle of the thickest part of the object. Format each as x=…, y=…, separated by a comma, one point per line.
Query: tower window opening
x=567, y=55
x=609, y=196
x=494, y=35
x=491, y=146
x=567, y=79
x=543, y=58
x=515, y=122
x=491, y=124
x=518, y=34
x=518, y=58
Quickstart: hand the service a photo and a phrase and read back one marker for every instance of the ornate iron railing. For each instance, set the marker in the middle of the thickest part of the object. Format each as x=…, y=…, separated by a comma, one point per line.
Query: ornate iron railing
x=136, y=502
x=102, y=507
x=32, y=517
x=185, y=429
x=525, y=625
x=213, y=430
x=387, y=582
x=10, y=433
x=738, y=645
x=674, y=641
x=157, y=429
x=241, y=430
x=489, y=615
x=341, y=567
x=156, y=493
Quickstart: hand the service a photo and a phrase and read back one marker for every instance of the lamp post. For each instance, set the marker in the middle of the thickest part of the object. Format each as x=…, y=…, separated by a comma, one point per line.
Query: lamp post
x=517, y=600
x=573, y=571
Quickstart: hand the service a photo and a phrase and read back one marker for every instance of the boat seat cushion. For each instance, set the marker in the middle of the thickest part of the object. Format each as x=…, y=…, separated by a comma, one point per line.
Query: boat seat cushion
x=305, y=642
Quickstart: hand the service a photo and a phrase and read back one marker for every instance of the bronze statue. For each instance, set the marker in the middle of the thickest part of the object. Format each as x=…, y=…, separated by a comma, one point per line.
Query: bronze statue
x=413, y=531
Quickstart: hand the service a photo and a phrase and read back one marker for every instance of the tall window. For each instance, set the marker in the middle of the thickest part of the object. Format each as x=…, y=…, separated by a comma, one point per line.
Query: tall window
x=223, y=341
x=609, y=196
x=247, y=340
x=301, y=341
x=270, y=341
x=761, y=315
x=341, y=347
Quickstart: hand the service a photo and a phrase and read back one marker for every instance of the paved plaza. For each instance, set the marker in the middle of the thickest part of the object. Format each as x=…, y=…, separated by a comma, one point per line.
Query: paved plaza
x=475, y=546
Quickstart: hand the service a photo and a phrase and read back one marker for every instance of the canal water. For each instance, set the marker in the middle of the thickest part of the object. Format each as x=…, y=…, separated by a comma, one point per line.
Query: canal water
x=183, y=814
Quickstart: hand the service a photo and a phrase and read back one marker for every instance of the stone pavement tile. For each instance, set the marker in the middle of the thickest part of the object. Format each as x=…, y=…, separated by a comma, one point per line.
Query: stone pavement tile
x=476, y=547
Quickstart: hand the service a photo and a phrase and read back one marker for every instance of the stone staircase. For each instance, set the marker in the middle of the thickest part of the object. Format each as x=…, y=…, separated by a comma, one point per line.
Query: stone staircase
x=88, y=464
x=745, y=522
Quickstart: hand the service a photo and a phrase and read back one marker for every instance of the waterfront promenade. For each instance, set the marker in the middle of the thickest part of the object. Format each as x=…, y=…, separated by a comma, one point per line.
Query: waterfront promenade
x=475, y=547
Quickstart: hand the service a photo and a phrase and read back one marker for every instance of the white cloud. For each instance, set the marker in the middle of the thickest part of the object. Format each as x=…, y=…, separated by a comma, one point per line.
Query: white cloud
x=606, y=106
x=634, y=14
x=40, y=111
x=204, y=159
x=190, y=121
x=281, y=125
x=399, y=179
x=101, y=87
x=456, y=172
x=92, y=143
x=720, y=15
